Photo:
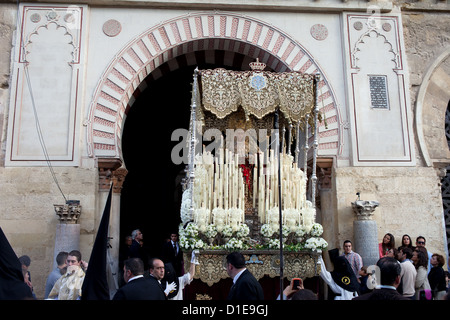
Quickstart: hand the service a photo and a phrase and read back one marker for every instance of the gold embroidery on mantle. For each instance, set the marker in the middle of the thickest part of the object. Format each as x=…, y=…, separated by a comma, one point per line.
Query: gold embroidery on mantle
x=260, y=263
x=220, y=92
x=258, y=92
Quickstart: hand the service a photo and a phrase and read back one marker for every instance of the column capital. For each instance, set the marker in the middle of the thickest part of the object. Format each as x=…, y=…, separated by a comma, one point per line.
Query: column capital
x=364, y=210
x=68, y=213
x=106, y=168
x=118, y=177
x=324, y=173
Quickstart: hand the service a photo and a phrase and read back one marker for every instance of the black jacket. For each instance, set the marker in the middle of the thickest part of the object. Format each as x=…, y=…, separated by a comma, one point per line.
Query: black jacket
x=141, y=289
x=382, y=294
x=246, y=288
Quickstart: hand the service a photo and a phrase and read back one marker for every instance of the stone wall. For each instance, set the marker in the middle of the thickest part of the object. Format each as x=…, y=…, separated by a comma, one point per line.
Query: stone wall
x=407, y=197
x=29, y=222
x=8, y=16
x=427, y=46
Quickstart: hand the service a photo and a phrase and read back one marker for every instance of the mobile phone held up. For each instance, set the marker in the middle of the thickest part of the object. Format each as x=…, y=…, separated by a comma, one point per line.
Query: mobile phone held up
x=296, y=282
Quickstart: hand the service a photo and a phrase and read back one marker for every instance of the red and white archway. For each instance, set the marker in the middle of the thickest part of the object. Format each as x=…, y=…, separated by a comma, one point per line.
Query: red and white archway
x=186, y=40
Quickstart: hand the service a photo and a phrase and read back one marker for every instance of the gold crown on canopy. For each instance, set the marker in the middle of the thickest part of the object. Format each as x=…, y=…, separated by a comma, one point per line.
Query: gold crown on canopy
x=257, y=66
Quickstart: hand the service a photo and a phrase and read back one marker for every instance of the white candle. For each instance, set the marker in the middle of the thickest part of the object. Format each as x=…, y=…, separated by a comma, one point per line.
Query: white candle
x=216, y=182
x=225, y=187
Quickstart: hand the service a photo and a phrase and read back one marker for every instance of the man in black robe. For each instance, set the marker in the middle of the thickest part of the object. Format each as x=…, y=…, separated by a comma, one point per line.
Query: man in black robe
x=13, y=286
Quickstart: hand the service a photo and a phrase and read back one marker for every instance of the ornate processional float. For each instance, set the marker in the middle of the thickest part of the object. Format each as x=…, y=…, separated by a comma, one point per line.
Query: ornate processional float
x=247, y=191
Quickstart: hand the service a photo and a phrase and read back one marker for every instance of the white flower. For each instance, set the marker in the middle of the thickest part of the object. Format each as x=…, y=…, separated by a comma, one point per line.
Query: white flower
x=199, y=244
x=191, y=230
x=274, y=244
x=234, y=244
x=286, y=230
x=300, y=231
x=242, y=231
x=185, y=210
x=211, y=231
x=266, y=230
x=316, y=230
x=184, y=242
x=227, y=231
x=316, y=244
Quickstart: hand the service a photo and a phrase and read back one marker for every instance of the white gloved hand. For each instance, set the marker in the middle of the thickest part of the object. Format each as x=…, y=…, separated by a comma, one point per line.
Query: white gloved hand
x=170, y=287
x=194, y=258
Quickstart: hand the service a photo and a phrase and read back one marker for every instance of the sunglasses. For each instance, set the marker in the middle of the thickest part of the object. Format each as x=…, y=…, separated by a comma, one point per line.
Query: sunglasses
x=421, y=242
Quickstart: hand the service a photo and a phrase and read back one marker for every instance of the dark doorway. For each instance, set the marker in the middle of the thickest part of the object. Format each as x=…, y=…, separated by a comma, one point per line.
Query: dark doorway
x=151, y=193
x=149, y=200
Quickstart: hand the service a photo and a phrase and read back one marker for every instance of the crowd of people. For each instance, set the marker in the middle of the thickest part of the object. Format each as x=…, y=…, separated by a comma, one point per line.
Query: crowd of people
x=405, y=272
x=410, y=272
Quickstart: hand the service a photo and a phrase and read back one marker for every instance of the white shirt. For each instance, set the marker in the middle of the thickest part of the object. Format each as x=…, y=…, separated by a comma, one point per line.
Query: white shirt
x=236, y=277
x=135, y=277
x=176, y=246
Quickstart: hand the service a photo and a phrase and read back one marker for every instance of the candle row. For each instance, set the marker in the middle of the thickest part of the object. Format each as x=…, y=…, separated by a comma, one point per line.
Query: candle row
x=219, y=189
x=293, y=185
x=219, y=183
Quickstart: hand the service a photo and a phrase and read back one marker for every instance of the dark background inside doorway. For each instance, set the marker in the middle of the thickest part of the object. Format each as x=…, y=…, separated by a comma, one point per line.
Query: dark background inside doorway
x=151, y=194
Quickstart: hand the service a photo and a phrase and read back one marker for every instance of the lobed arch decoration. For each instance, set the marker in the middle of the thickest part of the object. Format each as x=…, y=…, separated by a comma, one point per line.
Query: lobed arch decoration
x=187, y=40
x=431, y=106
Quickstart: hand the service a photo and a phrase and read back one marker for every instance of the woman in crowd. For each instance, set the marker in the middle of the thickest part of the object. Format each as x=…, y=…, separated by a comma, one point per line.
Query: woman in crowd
x=420, y=261
x=387, y=243
x=436, y=277
x=406, y=242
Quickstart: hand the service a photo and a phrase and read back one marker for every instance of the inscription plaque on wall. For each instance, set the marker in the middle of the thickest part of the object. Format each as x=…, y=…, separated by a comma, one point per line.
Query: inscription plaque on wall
x=378, y=92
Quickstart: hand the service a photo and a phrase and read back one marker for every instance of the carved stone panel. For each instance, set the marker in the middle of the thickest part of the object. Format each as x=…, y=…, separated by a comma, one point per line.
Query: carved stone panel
x=45, y=93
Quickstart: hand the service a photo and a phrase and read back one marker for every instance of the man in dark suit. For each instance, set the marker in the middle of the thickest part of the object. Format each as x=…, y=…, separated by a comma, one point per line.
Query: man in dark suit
x=245, y=286
x=172, y=253
x=389, y=280
x=137, y=287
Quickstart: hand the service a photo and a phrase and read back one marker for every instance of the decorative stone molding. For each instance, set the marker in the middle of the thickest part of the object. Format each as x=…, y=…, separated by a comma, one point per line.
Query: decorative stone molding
x=164, y=43
x=118, y=177
x=363, y=209
x=68, y=213
x=106, y=168
x=324, y=172
x=112, y=28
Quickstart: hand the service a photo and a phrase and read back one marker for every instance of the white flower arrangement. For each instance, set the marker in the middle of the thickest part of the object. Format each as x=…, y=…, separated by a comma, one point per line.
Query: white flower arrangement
x=308, y=238
x=266, y=230
x=189, y=237
x=234, y=244
x=211, y=231
x=242, y=231
x=286, y=230
x=185, y=210
x=227, y=231
x=299, y=231
x=316, y=230
x=316, y=244
x=191, y=230
x=191, y=243
x=274, y=244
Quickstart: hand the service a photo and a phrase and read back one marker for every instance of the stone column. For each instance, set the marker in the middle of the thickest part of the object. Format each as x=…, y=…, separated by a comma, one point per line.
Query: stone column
x=67, y=237
x=365, y=231
x=111, y=171
x=118, y=177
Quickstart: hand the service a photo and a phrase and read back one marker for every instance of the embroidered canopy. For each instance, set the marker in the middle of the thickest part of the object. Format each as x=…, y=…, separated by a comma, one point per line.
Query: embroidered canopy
x=258, y=92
